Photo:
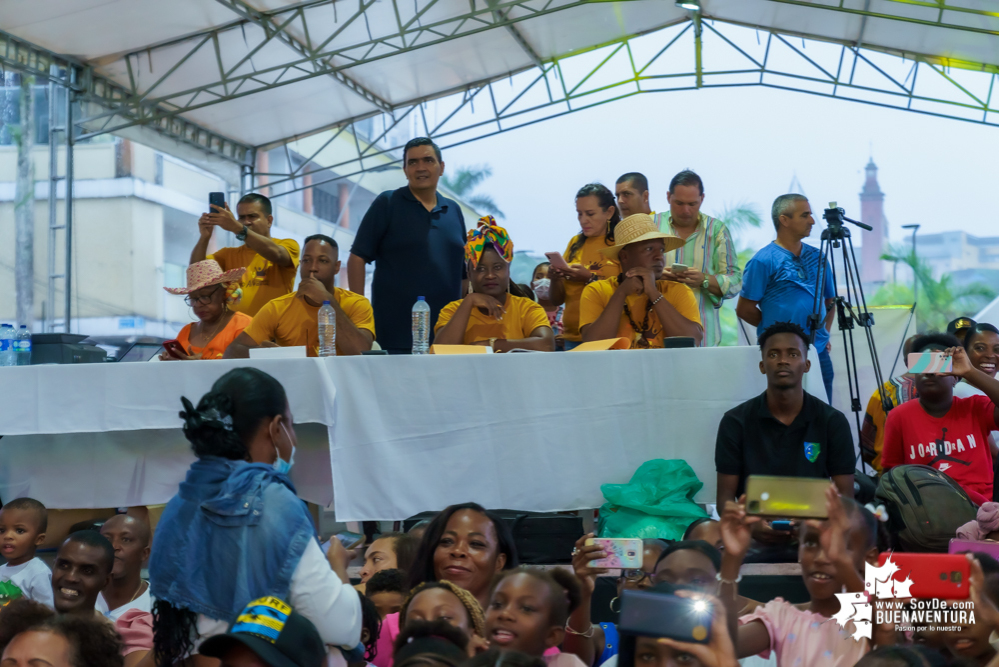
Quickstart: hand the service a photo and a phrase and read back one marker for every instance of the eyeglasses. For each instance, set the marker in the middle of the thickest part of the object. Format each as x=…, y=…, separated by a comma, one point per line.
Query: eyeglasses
x=636, y=576
x=203, y=299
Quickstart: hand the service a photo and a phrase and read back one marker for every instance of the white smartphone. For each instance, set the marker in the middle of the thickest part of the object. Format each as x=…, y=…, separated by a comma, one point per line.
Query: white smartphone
x=679, y=268
x=556, y=260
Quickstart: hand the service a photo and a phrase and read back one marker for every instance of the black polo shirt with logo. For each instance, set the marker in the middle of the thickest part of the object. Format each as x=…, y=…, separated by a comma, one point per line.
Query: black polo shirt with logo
x=416, y=253
x=751, y=441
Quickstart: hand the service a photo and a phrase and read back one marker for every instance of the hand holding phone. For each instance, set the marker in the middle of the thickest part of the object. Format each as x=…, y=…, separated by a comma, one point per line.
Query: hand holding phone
x=557, y=261
x=942, y=576
x=795, y=497
x=216, y=199
x=622, y=552
x=656, y=614
x=678, y=269
x=174, y=348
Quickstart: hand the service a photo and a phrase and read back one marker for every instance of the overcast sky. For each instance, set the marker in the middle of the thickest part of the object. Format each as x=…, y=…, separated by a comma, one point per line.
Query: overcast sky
x=747, y=144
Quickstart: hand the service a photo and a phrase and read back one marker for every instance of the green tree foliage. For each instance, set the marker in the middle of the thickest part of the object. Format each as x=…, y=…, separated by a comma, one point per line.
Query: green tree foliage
x=463, y=184
x=738, y=217
x=940, y=301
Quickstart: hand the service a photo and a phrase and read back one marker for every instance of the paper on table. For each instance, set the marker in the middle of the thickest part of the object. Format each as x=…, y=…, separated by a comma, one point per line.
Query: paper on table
x=606, y=344
x=296, y=352
x=460, y=349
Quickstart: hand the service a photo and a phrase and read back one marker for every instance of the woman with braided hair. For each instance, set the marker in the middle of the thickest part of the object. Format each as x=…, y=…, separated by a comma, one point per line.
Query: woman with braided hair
x=236, y=531
x=496, y=313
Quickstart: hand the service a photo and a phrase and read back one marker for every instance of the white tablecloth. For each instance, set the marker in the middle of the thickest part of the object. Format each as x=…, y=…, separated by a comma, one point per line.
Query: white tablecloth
x=536, y=431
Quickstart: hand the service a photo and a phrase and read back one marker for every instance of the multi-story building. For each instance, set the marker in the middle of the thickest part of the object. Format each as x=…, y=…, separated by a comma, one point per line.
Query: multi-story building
x=135, y=215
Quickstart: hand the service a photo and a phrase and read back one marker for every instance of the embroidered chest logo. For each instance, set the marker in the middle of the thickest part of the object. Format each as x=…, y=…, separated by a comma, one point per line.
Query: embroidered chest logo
x=812, y=451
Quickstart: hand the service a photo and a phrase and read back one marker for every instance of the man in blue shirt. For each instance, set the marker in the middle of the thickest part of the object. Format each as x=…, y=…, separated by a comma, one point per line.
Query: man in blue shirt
x=778, y=284
x=416, y=237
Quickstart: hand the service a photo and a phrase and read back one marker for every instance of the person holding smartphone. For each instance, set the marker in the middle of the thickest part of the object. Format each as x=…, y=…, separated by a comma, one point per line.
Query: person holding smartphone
x=270, y=263
x=583, y=262
x=942, y=430
x=211, y=296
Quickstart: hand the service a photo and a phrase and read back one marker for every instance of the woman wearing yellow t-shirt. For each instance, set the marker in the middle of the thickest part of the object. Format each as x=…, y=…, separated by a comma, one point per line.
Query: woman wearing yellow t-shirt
x=495, y=313
x=597, y=217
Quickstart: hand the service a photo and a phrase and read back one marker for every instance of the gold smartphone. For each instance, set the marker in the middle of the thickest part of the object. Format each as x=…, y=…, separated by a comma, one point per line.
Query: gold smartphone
x=800, y=497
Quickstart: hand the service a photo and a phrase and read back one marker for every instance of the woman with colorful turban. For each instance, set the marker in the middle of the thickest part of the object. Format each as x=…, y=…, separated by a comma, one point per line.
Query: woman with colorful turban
x=492, y=315
x=210, y=292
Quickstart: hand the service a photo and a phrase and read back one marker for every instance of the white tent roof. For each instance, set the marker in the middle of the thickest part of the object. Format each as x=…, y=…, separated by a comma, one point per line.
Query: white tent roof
x=260, y=72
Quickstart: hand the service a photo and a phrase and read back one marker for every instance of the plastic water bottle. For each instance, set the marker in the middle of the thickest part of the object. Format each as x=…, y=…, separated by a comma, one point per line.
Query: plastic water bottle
x=421, y=326
x=6, y=345
x=22, y=346
x=327, y=330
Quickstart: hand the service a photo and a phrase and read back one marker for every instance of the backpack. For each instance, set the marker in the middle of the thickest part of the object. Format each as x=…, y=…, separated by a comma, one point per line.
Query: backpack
x=908, y=491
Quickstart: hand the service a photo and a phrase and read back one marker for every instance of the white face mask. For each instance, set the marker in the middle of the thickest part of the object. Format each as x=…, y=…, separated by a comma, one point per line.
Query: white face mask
x=280, y=465
x=541, y=287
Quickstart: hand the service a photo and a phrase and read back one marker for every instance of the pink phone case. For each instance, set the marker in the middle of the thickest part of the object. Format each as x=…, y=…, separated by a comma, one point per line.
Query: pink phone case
x=622, y=552
x=930, y=362
x=556, y=260
x=959, y=546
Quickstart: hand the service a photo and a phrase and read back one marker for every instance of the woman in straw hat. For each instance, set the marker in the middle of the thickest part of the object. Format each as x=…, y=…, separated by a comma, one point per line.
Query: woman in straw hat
x=209, y=292
x=637, y=305
x=495, y=313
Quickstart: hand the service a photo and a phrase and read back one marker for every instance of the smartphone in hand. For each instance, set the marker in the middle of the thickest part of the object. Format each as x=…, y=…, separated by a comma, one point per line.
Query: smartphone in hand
x=678, y=268
x=216, y=199
x=174, y=348
x=557, y=261
x=930, y=362
x=795, y=497
x=622, y=552
x=648, y=614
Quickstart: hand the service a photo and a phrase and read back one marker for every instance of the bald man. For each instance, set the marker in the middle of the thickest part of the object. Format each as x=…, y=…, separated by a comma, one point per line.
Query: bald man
x=130, y=538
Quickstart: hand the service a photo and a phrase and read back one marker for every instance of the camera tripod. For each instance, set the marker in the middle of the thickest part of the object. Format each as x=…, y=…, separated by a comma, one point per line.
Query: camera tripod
x=851, y=308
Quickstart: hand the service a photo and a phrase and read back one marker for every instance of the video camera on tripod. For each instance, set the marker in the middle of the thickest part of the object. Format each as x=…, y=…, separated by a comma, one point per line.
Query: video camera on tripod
x=851, y=306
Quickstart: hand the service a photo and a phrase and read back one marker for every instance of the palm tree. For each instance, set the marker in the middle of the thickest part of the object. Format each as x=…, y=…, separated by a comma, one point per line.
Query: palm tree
x=737, y=217
x=940, y=301
x=465, y=180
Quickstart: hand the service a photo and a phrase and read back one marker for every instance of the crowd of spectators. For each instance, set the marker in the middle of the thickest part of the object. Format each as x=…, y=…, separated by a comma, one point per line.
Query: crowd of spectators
x=237, y=576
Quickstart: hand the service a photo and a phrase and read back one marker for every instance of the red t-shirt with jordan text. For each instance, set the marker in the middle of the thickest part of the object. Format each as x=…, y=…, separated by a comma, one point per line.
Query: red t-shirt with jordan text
x=956, y=444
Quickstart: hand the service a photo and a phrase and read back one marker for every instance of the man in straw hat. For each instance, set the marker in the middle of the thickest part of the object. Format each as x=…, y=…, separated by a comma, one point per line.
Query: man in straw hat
x=635, y=304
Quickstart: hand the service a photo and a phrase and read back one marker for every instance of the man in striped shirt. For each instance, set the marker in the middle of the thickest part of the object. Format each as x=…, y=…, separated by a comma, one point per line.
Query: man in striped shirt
x=709, y=254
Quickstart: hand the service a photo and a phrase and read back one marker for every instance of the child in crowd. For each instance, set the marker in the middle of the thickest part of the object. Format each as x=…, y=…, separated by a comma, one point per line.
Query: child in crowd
x=387, y=589
x=23, y=523
x=442, y=600
x=528, y=610
x=832, y=554
x=430, y=644
x=541, y=285
x=371, y=625
x=497, y=658
x=596, y=643
x=706, y=529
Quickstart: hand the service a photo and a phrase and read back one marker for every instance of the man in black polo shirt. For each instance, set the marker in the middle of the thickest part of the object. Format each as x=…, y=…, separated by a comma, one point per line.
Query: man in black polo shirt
x=416, y=237
x=783, y=431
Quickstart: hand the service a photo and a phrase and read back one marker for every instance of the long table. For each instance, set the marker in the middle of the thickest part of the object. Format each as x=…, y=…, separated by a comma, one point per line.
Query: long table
x=386, y=437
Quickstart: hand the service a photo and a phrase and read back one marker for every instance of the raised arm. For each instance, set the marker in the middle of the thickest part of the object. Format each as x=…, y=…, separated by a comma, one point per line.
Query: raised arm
x=976, y=378
x=262, y=245
x=206, y=228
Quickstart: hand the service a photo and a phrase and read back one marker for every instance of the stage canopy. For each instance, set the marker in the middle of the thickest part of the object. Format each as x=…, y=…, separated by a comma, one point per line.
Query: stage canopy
x=222, y=79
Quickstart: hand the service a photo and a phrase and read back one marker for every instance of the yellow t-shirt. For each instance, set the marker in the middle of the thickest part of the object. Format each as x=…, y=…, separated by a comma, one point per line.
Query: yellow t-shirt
x=590, y=257
x=522, y=317
x=290, y=321
x=263, y=280
x=597, y=295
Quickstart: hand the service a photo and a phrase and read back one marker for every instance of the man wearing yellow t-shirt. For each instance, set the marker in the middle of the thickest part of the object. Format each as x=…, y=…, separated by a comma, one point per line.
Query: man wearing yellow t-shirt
x=270, y=263
x=293, y=319
x=635, y=305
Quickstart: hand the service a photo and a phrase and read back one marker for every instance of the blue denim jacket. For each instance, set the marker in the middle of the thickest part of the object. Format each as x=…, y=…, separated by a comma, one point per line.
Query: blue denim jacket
x=234, y=532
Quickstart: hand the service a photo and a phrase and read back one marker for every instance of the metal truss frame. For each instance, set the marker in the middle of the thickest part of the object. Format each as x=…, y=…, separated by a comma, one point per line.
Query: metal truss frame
x=563, y=86
x=105, y=106
x=93, y=92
